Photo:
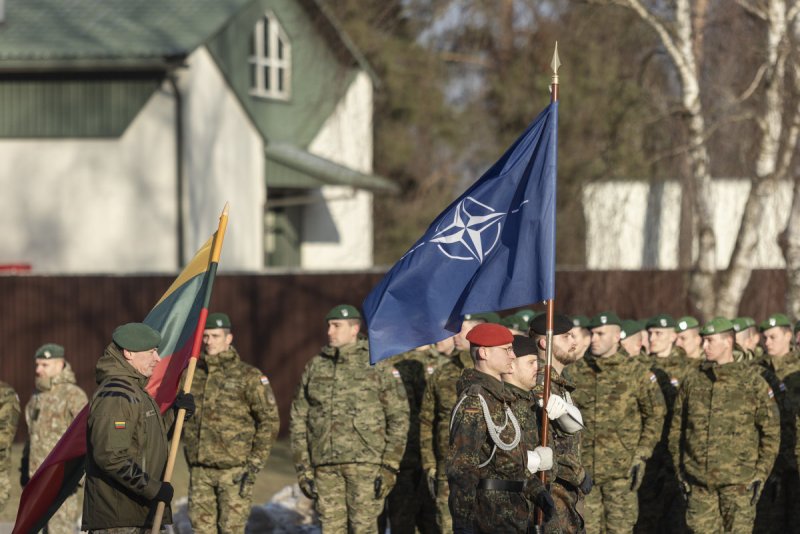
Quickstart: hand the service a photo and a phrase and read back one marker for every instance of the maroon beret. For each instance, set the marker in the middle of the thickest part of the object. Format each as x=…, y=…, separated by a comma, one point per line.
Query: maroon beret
x=490, y=335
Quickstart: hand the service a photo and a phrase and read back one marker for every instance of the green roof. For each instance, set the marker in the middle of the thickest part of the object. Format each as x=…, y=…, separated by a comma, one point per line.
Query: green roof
x=63, y=30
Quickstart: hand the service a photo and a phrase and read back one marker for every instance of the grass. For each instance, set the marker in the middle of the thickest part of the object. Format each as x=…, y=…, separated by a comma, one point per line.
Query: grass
x=278, y=474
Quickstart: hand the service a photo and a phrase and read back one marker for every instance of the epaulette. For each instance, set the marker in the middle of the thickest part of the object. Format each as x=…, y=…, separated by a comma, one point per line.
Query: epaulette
x=117, y=388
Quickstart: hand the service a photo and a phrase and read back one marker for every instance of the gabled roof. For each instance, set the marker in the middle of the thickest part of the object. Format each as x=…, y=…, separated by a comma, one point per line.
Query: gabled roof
x=109, y=30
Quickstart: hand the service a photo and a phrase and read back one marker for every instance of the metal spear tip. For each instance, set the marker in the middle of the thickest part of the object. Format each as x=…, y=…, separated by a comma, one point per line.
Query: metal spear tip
x=556, y=62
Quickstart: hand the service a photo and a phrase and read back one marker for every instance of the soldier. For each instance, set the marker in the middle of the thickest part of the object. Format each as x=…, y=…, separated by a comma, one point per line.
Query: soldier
x=661, y=504
x=780, y=367
x=486, y=470
x=631, y=338
x=747, y=338
x=348, y=428
x=724, y=437
x=573, y=482
x=9, y=417
x=48, y=414
x=623, y=411
x=228, y=442
x=581, y=334
x=515, y=324
x=437, y=403
x=126, y=437
x=688, y=337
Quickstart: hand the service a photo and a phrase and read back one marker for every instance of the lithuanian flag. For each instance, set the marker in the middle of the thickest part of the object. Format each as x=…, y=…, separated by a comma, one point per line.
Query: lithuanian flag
x=180, y=317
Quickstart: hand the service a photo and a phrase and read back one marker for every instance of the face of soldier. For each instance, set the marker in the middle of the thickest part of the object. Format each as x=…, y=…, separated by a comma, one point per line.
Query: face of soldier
x=565, y=348
x=661, y=340
x=342, y=332
x=143, y=361
x=216, y=340
x=496, y=361
x=48, y=368
x=747, y=338
x=446, y=346
x=605, y=340
x=583, y=338
x=460, y=339
x=690, y=341
x=632, y=343
x=524, y=371
x=718, y=347
x=777, y=341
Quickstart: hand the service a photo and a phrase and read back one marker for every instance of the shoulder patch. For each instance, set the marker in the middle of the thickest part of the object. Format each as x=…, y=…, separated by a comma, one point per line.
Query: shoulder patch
x=782, y=387
x=674, y=381
x=119, y=425
x=770, y=393
x=395, y=373
x=430, y=369
x=264, y=380
x=652, y=377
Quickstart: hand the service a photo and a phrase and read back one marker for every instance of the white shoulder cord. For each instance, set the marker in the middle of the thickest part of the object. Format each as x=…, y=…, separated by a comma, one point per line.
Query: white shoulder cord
x=494, y=430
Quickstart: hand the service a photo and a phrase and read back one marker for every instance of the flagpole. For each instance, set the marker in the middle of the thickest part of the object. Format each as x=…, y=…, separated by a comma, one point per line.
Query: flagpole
x=550, y=312
x=216, y=251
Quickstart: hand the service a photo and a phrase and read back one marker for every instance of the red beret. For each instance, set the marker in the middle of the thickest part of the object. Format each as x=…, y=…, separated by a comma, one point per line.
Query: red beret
x=490, y=335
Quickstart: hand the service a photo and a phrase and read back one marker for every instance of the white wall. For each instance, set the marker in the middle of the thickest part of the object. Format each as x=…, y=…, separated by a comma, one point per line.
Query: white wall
x=224, y=156
x=635, y=224
x=345, y=138
x=82, y=206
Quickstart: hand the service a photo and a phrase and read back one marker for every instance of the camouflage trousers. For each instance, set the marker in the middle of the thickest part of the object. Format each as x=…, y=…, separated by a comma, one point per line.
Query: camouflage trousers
x=725, y=509
x=347, y=500
x=65, y=520
x=411, y=507
x=443, y=518
x=777, y=510
x=501, y=512
x=215, y=503
x=611, y=508
x=5, y=485
x=122, y=530
x=568, y=518
x=662, y=508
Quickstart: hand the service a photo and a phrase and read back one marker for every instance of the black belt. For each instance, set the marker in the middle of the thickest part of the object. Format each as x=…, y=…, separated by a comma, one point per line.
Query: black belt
x=501, y=485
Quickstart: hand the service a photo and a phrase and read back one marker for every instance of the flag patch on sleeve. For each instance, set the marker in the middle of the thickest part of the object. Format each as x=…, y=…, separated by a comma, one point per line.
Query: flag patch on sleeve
x=674, y=381
x=264, y=380
x=395, y=372
x=771, y=393
x=119, y=425
x=652, y=377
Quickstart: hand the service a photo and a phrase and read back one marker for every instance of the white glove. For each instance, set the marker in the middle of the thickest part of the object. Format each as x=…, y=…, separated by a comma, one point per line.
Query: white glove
x=572, y=421
x=556, y=407
x=540, y=459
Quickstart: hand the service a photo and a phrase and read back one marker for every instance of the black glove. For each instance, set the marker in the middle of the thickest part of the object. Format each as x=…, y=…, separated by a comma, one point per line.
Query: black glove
x=308, y=488
x=755, y=487
x=587, y=484
x=24, y=477
x=185, y=401
x=165, y=493
x=544, y=502
x=636, y=473
x=246, y=479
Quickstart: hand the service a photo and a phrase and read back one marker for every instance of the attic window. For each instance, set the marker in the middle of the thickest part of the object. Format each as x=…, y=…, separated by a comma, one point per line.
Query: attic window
x=270, y=60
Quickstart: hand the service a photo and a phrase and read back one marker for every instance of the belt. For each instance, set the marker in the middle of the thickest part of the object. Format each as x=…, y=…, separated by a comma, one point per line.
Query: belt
x=501, y=485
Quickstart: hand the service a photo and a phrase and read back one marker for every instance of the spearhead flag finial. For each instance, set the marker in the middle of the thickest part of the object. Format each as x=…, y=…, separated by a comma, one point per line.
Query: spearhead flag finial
x=554, y=64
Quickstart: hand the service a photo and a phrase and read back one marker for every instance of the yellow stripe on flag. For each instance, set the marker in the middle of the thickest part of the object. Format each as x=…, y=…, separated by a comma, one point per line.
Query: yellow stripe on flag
x=198, y=265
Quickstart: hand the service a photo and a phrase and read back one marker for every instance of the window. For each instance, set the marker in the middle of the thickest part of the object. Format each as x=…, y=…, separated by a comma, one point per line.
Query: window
x=270, y=60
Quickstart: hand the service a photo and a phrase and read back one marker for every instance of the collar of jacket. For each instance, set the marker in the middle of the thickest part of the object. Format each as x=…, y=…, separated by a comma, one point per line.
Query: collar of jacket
x=463, y=359
x=347, y=352
x=473, y=377
x=65, y=376
x=223, y=359
x=517, y=392
x=113, y=363
x=616, y=359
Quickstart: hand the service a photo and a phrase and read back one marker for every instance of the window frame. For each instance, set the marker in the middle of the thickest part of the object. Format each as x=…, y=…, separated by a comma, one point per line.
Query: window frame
x=258, y=61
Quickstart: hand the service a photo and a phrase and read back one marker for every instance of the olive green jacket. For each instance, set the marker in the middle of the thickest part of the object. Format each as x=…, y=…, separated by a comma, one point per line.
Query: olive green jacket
x=126, y=448
x=348, y=411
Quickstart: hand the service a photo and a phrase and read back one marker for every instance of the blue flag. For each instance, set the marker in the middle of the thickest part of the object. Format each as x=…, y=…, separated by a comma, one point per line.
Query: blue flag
x=493, y=248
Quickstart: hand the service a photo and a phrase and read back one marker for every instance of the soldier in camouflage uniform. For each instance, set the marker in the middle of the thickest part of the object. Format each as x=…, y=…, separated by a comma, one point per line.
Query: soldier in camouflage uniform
x=489, y=462
x=688, y=338
x=747, y=338
x=229, y=440
x=661, y=504
x=780, y=367
x=572, y=481
x=724, y=436
x=48, y=414
x=623, y=411
x=9, y=417
x=581, y=334
x=348, y=428
x=434, y=434
x=631, y=339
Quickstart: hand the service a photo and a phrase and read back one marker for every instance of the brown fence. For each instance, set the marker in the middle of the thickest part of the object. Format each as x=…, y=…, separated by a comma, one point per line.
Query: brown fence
x=277, y=319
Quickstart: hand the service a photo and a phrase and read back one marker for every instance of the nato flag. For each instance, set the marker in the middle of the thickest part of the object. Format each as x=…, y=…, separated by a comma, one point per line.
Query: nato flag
x=493, y=248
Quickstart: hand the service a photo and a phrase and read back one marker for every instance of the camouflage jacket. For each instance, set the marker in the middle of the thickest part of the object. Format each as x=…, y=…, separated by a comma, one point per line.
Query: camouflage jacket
x=48, y=415
x=726, y=426
x=566, y=447
x=623, y=411
x=126, y=449
x=782, y=373
x=474, y=456
x=437, y=402
x=348, y=411
x=236, y=419
x=9, y=417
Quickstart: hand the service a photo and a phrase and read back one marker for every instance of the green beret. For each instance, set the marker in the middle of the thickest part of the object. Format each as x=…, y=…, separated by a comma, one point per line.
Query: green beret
x=218, y=320
x=343, y=311
x=580, y=320
x=526, y=315
x=630, y=327
x=489, y=317
x=604, y=318
x=49, y=351
x=661, y=320
x=514, y=322
x=776, y=319
x=717, y=325
x=686, y=323
x=742, y=323
x=136, y=337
